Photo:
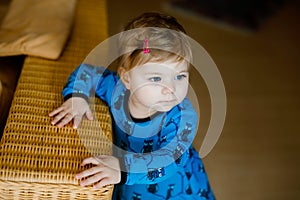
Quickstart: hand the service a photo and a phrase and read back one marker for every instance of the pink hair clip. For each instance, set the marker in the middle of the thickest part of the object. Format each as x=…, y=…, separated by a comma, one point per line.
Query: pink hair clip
x=146, y=48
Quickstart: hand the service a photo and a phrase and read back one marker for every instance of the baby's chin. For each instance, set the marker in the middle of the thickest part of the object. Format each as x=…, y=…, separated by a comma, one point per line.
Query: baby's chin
x=164, y=108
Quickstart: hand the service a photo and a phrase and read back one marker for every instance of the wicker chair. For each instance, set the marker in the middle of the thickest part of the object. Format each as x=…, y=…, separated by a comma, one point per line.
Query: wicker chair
x=38, y=160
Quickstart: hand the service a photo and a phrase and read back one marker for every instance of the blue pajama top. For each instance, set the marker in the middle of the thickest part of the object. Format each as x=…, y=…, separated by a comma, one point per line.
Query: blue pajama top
x=156, y=154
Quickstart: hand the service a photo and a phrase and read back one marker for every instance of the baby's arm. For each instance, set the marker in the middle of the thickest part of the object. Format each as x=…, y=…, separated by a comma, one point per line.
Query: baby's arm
x=74, y=108
x=76, y=94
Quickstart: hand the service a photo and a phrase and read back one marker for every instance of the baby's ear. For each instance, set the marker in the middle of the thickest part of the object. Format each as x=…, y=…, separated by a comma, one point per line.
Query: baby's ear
x=124, y=75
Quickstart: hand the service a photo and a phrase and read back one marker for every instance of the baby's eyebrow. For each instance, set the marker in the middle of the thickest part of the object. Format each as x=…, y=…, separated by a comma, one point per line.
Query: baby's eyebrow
x=153, y=73
x=183, y=71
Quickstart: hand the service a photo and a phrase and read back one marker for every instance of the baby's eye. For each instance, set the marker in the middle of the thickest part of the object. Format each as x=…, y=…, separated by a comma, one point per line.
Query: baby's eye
x=155, y=79
x=180, y=77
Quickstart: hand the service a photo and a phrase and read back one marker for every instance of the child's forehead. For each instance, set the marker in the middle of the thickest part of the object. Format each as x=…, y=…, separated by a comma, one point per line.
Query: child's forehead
x=165, y=65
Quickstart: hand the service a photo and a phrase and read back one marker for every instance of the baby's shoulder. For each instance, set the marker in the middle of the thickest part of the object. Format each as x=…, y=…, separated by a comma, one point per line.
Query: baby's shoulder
x=183, y=111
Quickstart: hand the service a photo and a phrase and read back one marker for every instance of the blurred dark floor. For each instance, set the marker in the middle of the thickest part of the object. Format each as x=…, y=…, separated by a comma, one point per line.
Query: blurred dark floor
x=257, y=155
x=10, y=68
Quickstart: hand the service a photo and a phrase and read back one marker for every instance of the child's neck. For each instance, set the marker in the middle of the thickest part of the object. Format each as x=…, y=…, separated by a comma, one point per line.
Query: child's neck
x=138, y=113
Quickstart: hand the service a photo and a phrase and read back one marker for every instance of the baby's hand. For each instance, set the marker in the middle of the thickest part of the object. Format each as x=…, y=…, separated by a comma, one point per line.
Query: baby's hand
x=106, y=171
x=73, y=108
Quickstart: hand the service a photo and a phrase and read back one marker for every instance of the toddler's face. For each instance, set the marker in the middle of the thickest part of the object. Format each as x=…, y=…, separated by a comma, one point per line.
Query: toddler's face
x=156, y=87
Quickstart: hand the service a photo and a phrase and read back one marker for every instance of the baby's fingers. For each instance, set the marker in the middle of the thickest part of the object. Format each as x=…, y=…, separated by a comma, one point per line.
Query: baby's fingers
x=89, y=114
x=63, y=119
x=91, y=160
x=105, y=181
x=56, y=111
x=58, y=116
x=93, y=179
x=77, y=120
x=88, y=172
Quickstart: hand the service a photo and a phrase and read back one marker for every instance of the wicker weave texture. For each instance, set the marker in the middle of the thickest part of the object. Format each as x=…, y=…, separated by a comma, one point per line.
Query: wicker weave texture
x=39, y=160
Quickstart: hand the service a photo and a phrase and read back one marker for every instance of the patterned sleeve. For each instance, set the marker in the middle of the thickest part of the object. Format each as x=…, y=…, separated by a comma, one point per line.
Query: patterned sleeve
x=174, y=141
x=87, y=81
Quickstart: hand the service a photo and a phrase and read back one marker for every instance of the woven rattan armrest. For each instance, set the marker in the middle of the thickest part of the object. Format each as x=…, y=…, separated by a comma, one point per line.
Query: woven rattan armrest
x=39, y=160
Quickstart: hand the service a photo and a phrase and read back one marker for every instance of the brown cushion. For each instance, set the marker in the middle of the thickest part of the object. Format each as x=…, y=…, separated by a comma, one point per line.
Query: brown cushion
x=36, y=27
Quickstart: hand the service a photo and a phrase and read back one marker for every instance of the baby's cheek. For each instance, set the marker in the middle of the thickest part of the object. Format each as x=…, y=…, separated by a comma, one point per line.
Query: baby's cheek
x=182, y=92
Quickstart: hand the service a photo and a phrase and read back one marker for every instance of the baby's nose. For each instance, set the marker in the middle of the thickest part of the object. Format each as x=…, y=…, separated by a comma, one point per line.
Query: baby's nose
x=168, y=88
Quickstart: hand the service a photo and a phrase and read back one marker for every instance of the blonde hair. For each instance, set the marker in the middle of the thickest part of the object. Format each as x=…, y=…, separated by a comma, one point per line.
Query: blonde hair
x=166, y=38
